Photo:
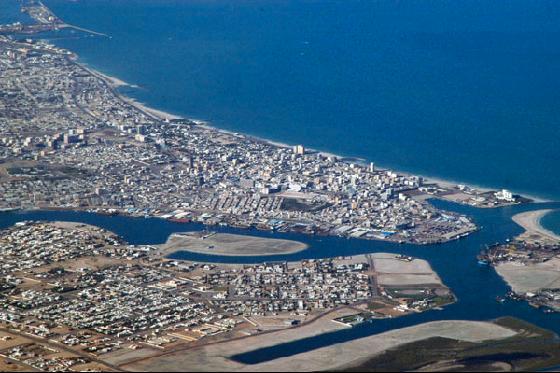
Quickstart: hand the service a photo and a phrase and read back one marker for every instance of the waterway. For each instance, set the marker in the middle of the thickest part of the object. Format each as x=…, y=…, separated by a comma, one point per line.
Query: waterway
x=551, y=221
x=396, y=82
x=475, y=286
x=10, y=13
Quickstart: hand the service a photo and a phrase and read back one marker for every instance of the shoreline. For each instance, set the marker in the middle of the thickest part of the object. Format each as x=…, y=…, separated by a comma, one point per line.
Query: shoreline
x=531, y=222
x=115, y=83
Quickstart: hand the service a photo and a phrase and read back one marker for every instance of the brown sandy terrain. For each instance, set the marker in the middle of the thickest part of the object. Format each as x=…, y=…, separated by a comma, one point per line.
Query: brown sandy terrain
x=229, y=245
x=534, y=231
x=216, y=357
x=8, y=365
x=9, y=340
x=213, y=357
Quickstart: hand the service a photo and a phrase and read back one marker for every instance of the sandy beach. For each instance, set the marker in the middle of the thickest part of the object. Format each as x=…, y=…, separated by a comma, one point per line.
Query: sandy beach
x=158, y=114
x=534, y=231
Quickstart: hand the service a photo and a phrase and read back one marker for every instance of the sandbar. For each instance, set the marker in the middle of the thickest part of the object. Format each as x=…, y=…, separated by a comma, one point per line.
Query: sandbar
x=229, y=244
x=534, y=231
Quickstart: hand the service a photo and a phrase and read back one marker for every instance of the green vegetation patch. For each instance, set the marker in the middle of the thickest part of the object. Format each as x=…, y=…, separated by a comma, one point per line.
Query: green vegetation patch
x=532, y=349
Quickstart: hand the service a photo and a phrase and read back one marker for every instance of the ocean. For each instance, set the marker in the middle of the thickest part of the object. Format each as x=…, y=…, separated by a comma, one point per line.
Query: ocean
x=551, y=221
x=10, y=13
x=462, y=90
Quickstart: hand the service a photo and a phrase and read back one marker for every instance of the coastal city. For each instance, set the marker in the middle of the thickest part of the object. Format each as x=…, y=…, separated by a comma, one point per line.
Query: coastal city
x=248, y=254
x=70, y=141
x=76, y=296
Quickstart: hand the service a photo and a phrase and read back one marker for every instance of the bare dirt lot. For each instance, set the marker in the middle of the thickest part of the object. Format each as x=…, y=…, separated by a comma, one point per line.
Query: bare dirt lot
x=229, y=244
x=394, y=271
x=216, y=357
x=532, y=277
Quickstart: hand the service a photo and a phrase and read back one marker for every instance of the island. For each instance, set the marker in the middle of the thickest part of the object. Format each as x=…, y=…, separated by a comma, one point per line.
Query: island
x=228, y=244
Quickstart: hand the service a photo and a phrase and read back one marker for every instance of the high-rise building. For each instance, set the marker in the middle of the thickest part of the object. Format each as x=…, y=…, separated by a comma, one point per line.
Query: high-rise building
x=299, y=150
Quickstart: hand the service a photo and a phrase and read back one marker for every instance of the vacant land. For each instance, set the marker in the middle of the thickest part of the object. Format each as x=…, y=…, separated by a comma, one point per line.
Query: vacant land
x=217, y=356
x=7, y=365
x=229, y=244
x=529, y=350
x=531, y=277
x=395, y=271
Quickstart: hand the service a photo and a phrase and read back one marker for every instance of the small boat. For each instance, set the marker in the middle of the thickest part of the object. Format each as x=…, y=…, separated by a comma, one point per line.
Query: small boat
x=483, y=262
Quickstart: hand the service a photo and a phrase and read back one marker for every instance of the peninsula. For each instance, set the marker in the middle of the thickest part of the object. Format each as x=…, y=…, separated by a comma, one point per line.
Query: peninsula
x=78, y=297
x=69, y=140
x=530, y=264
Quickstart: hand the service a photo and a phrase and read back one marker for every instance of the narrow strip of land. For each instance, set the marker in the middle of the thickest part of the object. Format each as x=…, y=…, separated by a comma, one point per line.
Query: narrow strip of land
x=534, y=231
x=217, y=357
x=229, y=244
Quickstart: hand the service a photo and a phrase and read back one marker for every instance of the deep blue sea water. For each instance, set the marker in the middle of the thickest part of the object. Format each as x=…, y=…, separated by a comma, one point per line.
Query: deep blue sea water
x=10, y=13
x=552, y=221
x=464, y=90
